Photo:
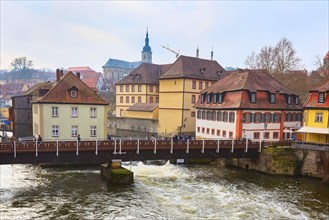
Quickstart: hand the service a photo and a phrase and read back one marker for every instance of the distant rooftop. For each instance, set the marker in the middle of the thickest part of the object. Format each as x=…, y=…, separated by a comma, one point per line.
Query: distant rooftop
x=122, y=64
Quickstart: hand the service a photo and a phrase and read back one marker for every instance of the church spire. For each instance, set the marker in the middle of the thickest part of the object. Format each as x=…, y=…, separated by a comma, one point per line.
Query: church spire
x=147, y=52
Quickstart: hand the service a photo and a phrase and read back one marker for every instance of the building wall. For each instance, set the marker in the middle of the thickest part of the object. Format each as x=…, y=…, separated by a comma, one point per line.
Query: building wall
x=143, y=114
x=43, y=121
x=176, y=111
x=310, y=121
x=22, y=120
x=145, y=94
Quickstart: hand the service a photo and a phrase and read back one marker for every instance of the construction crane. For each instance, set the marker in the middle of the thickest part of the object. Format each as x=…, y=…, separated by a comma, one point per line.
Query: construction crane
x=167, y=47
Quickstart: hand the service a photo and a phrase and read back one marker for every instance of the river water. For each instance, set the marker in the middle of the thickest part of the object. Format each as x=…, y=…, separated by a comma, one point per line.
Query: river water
x=159, y=192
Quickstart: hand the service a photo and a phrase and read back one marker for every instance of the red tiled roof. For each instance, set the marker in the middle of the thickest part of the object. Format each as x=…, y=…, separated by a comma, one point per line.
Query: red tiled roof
x=147, y=73
x=322, y=88
x=80, y=69
x=60, y=92
x=236, y=87
x=194, y=68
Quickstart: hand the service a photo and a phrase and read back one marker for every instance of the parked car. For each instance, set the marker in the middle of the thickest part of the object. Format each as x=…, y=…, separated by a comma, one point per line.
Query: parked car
x=27, y=139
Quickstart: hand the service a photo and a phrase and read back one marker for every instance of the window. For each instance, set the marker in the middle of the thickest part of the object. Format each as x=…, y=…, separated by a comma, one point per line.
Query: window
x=93, y=112
x=246, y=117
x=55, y=131
x=272, y=98
x=232, y=117
x=212, y=131
x=199, y=114
x=225, y=116
x=193, y=99
x=151, y=88
x=139, y=99
x=319, y=117
x=213, y=115
x=209, y=115
x=203, y=115
x=133, y=88
x=256, y=135
x=209, y=98
x=230, y=134
x=214, y=99
x=193, y=114
x=296, y=100
x=219, y=116
x=121, y=88
x=127, y=88
x=202, y=129
x=208, y=130
x=127, y=99
x=200, y=85
x=253, y=117
x=277, y=117
x=198, y=129
x=321, y=97
x=151, y=99
x=193, y=84
x=54, y=111
x=139, y=88
x=74, y=131
x=218, y=133
x=206, y=85
x=74, y=112
x=220, y=98
x=253, y=97
x=93, y=131
x=133, y=99
x=257, y=117
x=73, y=93
x=288, y=99
x=275, y=135
x=223, y=133
x=267, y=117
x=266, y=135
x=203, y=97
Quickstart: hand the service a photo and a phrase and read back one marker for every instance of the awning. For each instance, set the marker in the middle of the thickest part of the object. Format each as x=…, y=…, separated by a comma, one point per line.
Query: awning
x=288, y=131
x=314, y=130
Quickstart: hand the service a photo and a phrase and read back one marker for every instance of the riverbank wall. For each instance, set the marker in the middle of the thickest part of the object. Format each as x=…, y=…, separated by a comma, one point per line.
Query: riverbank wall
x=288, y=161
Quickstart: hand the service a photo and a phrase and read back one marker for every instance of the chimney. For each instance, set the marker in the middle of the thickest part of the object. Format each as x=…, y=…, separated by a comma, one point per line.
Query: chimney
x=57, y=75
x=61, y=73
x=78, y=75
x=212, y=53
x=197, y=52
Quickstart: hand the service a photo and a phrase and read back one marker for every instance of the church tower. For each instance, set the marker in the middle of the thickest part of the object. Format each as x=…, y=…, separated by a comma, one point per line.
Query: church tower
x=147, y=53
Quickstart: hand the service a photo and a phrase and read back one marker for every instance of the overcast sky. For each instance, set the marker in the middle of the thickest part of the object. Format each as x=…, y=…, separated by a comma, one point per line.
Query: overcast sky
x=87, y=33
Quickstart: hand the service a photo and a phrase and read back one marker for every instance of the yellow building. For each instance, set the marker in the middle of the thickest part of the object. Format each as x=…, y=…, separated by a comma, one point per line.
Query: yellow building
x=143, y=111
x=140, y=86
x=180, y=87
x=70, y=108
x=316, y=115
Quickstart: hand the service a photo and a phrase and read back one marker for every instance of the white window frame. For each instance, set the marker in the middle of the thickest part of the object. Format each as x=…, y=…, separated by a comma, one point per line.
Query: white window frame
x=93, y=131
x=74, y=112
x=74, y=130
x=55, y=131
x=93, y=112
x=321, y=97
x=319, y=117
x=74, y=93
x=54, y=111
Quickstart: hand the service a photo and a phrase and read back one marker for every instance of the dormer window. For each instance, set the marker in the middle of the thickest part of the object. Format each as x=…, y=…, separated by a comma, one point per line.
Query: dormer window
x=220, y=97
x=296, y=101
x=321, y=97
x=272, y=98
x=215, y=98
x=288, y=99
x=74, y=93
x=253, y=97
x=203, y=97
x=209, y=98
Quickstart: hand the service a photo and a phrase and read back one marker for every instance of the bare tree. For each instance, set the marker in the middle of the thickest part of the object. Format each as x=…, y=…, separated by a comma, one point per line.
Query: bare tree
x=21, y=64
x=321, y=68
x=277, y=60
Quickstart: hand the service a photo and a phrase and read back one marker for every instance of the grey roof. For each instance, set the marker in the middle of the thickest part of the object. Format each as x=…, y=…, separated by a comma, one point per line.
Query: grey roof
x=145, y=107
x=122, y=64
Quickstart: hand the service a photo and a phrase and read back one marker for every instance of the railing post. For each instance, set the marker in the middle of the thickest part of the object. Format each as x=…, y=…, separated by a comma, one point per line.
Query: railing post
x=120, y=146
x=96, y=152
x=115, y=146
x=57, y=148
x=232, y=150
x=171, y=146
x=36, y=148
x=217, y=151
x=202, y=151
x=137, y=146
x=77, y=148
x=246, y=150
x=188, y=146
x=14, y=149
x=260, y=146
x=155, y=146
